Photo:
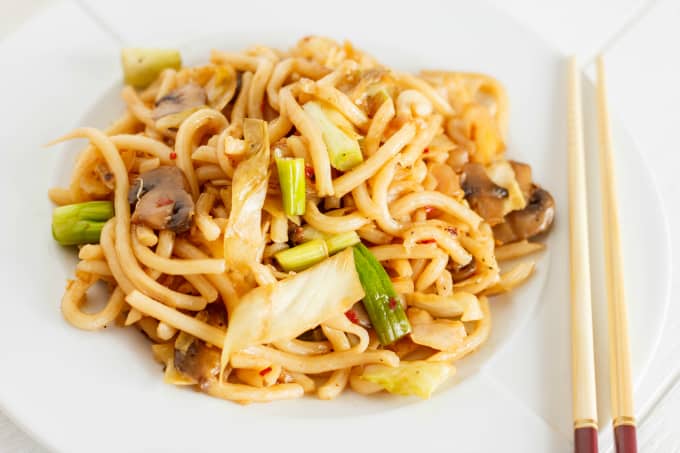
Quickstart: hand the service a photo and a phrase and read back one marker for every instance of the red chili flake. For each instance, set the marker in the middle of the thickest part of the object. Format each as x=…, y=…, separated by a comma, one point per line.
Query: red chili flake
x=427, y=241
x=392, y=303
x=352, y=316
x=164, y=201
x=309, y=172
x=173, y=155
x=428, y=209
x=426, y=150
x=452, y=231
x=265, y=371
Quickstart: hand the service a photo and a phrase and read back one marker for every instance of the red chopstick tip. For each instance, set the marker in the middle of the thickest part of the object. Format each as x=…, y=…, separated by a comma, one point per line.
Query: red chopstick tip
x=585, y=440
x=625, y=438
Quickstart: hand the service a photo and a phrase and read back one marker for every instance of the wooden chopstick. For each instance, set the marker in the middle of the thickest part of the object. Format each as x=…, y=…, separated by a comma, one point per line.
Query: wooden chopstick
x=584, y=397
x=619, y=348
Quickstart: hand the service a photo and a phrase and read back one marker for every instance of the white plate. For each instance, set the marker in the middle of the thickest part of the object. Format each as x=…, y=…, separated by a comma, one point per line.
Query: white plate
x=78, y=391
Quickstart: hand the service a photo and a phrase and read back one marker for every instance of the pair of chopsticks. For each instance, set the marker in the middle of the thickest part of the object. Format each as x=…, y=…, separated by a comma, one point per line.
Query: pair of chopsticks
x=584, y=397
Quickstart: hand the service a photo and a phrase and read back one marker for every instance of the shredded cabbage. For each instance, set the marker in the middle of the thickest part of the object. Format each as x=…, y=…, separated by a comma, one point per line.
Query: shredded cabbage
x=419, y=378
x=287, y=308
x=243, y=236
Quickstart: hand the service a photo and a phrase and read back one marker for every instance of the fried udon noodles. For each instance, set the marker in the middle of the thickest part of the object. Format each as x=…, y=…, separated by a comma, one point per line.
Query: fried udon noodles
x=287, y=222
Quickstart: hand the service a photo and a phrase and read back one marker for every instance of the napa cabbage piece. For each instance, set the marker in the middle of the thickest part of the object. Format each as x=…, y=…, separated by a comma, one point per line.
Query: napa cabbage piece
x=441, y=334
x=502, y=174
x=287, y=308
x=418, y=378
x=243, y=238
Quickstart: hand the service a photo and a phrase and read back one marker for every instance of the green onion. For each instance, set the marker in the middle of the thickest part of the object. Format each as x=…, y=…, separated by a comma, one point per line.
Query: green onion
x=343, y=150
x=314, y=250
x=80, y=223
x=342, y=241
x=381, y=303
x=302, y=256
x=292, y=182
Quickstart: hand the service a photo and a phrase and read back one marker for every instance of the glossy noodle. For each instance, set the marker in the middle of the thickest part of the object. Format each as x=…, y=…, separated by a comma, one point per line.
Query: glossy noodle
x=239, y=190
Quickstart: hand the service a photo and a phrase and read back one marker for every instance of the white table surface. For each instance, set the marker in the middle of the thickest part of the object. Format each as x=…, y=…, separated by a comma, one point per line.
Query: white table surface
x=641, y=43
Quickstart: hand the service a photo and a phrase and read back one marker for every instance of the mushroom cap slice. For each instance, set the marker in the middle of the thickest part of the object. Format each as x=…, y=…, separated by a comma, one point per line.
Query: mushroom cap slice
x=161, y=200
x=199, y=362
x=186, y=97
x=485, y=197
x=536, y=218
x=164, y=175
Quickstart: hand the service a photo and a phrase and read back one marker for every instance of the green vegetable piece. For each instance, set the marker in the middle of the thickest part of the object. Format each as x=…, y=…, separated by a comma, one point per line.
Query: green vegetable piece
x=80, y=223
x=314, y=250
x=342, y=241
x=419, y=378
x=292, y=181
x=142, y=66
x=302, y=256
x=384, y=310
x=344, y=151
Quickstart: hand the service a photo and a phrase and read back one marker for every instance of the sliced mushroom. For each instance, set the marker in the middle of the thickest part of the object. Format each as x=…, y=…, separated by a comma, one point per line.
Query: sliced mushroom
x=161, y=200
x=533, y=220
x=484, y=196
x=200, y=361
x=216, y=315
x=184, y=98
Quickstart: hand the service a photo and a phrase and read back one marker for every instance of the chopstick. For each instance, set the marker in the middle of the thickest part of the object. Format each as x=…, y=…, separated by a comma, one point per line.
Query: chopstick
x=584, y=397
x=619, y=348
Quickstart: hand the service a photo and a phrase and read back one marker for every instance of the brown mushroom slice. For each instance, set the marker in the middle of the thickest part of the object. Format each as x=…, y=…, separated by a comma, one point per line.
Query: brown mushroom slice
x=193, y=357
x=199, y=362
x=164, y=175
x=162, y=201
x=536, y=218
x=484, y=196
x=184, y=98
